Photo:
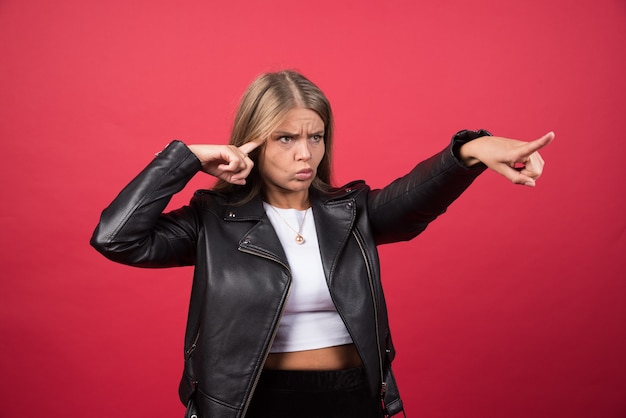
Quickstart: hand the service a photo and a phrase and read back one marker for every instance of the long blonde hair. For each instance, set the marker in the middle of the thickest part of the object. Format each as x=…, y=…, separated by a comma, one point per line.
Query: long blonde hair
x=263, y=108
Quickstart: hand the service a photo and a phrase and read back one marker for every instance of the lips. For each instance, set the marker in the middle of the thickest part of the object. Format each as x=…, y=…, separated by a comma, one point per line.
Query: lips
x=306, y=174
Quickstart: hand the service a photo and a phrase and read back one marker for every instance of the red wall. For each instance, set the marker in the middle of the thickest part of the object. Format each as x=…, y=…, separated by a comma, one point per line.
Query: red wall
x=513, y=304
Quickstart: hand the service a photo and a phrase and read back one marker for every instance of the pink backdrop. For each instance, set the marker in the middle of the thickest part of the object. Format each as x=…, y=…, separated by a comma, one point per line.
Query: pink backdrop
x=513, y=304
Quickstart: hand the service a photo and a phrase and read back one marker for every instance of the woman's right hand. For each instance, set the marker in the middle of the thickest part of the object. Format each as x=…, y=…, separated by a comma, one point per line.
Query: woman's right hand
x=226, y=162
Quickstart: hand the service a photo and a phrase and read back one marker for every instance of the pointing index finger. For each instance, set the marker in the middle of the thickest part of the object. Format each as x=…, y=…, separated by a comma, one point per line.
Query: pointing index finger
x=250, y=146
x=537, y=144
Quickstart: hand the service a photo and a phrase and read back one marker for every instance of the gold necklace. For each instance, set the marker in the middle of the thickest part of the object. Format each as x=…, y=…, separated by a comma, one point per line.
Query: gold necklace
x=299, y=237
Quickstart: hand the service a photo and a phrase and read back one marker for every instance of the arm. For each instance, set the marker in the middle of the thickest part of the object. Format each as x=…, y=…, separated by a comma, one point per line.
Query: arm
x=133, y=230
x=403, y=209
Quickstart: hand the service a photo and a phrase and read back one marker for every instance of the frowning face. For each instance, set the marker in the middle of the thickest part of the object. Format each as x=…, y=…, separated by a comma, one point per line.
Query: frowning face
x=289, y=158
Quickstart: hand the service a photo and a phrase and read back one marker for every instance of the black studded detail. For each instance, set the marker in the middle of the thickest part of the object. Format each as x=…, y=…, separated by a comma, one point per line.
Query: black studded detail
x=232, y=215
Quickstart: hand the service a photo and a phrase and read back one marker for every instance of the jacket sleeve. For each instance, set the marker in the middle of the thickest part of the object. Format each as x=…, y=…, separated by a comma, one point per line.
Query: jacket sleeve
x=403, y=209
x=134, y=231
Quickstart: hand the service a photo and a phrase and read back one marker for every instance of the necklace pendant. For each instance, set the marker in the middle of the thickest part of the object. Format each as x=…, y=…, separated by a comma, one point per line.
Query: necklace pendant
x=299, y=239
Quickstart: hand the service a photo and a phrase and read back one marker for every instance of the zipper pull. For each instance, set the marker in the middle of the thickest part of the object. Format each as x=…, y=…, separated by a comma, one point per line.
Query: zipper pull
x=190, y=350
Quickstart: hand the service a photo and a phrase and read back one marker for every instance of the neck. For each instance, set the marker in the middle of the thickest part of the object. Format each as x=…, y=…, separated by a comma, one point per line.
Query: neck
x=298, y=201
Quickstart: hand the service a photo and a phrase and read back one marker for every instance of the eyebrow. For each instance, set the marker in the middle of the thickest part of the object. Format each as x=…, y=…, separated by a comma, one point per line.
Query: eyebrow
x=287, y=133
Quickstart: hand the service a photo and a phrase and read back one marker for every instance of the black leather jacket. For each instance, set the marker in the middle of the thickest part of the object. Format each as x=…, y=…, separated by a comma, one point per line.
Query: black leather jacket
x=242, y=278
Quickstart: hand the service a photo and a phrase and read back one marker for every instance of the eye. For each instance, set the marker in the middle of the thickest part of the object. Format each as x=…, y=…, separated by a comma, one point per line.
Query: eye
x=317, y=138
x=285, y=139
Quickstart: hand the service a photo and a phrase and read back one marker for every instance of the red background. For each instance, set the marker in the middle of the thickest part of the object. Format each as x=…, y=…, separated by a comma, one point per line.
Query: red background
x=513, y=304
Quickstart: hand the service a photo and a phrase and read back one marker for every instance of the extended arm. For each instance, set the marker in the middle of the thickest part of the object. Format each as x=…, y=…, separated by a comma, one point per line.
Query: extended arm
x=403, y=209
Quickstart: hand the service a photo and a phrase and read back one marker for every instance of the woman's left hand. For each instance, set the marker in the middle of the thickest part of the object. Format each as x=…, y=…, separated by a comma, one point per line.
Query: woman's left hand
x=518, y=161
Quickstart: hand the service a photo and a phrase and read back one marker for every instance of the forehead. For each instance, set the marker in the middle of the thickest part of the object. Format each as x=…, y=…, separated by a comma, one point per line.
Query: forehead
x=301, y=118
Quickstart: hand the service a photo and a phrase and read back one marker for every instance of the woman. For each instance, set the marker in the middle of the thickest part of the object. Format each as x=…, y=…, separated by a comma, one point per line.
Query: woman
x=287, y=314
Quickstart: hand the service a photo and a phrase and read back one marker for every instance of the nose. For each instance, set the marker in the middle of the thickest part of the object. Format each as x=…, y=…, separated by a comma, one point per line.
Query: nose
x=303, y=153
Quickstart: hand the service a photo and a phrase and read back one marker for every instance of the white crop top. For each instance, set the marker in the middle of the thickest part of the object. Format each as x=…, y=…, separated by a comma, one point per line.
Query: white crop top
x=310, y=319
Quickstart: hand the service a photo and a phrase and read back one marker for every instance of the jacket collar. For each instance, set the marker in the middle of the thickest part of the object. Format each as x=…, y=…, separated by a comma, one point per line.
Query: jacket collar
x=253, y=210
x=334, y=215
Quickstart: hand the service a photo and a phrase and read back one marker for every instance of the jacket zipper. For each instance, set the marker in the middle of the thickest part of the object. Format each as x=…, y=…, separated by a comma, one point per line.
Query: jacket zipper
x=359, y=241
x=192, y=347
x=188, y=353
x=274, y=332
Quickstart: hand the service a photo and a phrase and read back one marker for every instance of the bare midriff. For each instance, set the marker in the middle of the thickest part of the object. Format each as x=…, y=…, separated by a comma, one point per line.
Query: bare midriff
x=329, y=358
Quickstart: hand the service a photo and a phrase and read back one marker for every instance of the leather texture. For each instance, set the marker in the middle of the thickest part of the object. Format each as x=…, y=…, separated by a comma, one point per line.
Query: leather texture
x=242, y=277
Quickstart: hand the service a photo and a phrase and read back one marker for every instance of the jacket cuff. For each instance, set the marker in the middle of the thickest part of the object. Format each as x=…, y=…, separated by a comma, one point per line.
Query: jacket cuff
x=177, y=151
x=463, y=137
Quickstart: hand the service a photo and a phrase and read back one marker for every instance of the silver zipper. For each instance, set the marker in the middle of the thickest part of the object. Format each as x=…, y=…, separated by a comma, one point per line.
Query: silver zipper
x=274, y=332
x=188, y=353
x=192, y=347
x=359, y=241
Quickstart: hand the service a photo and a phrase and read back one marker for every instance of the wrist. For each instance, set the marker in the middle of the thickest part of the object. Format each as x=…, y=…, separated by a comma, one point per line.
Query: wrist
x=466, y=153
x=462, y=149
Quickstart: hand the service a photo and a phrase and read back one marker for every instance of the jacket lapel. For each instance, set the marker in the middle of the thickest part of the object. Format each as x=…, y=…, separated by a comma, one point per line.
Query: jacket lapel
x=260, y=238
x=334, y=218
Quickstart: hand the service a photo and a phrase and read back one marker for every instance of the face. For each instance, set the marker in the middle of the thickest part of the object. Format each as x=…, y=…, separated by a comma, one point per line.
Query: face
x=289, y=158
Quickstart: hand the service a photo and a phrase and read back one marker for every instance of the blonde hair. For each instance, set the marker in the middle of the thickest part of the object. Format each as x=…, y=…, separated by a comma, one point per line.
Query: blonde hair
x=263, y=108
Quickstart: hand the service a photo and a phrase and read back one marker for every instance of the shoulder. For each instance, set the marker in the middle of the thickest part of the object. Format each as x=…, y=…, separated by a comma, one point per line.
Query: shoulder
x=231, y=206
x=205, y=199
x=351, y=190
x=206, y=195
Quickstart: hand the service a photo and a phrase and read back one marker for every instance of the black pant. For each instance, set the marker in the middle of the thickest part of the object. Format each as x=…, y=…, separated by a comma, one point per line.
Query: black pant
x=313, y=394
